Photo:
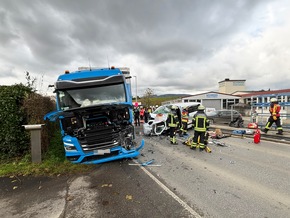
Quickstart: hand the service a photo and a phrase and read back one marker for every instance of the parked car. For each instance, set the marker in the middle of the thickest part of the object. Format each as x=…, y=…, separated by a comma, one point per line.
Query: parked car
x=157, y=121
x=231, y=117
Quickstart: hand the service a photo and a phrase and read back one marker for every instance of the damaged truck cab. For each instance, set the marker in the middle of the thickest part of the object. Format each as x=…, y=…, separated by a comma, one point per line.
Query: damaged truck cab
x=94, y=109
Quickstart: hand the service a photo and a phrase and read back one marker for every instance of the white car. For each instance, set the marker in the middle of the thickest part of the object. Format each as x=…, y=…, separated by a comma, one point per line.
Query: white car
x=157, y=121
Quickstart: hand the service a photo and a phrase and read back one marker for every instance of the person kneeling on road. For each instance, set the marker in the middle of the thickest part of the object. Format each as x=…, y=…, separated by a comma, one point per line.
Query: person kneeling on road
x=200, y=124
x=173, y=123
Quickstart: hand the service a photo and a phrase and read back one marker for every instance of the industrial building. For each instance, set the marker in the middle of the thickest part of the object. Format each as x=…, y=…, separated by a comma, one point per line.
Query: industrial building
x=232, y=94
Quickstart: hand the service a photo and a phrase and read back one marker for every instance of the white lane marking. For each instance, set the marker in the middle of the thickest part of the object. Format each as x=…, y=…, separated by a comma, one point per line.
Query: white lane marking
x=174, y=196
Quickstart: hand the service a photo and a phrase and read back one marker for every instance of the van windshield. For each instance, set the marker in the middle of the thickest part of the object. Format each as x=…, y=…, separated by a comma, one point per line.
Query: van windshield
x=162, y=110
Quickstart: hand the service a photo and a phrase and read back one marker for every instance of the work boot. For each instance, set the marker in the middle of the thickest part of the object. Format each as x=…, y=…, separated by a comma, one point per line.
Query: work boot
x=193, y=147
x=202, y=145
x=173, y=141
x=279, y=132
x=265, y=130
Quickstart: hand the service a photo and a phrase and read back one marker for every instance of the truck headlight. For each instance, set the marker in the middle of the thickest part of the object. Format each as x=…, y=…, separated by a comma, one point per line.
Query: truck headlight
x=69, y=146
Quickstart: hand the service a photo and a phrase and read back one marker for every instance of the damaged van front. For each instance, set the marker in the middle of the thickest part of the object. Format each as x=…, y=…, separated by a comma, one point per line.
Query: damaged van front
x=94, y=109
x=157, y=123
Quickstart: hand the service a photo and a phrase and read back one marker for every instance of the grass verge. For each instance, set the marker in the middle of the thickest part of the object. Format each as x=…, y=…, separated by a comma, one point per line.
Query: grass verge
x=48, y=167
x=53, y=163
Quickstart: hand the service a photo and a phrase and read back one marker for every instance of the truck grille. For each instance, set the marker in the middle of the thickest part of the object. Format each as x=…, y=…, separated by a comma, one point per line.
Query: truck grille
x=99, y=138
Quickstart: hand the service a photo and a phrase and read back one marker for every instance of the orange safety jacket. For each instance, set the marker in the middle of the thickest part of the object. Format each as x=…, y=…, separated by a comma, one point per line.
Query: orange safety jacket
x=184, y=117
x=275, y=110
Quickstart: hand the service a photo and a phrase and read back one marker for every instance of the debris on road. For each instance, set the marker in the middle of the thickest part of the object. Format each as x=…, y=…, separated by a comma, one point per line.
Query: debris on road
x=145, y=164
x=219, y=143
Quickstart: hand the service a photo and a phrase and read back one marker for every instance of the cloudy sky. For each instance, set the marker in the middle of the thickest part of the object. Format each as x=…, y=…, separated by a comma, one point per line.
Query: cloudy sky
x=171, y=46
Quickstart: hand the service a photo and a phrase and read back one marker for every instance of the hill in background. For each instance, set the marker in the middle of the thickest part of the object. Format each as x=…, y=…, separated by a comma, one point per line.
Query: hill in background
x=170, y=95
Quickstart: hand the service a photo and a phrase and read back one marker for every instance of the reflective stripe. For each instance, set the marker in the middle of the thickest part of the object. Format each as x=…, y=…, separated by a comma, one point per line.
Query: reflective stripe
x=173, y=120
x=200, y=123
x=201, y=145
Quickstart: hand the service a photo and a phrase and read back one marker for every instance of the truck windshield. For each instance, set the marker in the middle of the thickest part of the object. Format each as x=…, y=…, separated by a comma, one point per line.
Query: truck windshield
x=74, y=98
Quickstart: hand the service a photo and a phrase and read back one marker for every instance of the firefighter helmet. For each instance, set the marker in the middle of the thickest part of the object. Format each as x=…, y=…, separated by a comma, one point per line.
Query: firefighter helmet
x=200, y=108
x=273, y=100
x=174, y=107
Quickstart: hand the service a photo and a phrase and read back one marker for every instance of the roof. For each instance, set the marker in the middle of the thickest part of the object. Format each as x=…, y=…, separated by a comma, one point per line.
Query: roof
x=220, y=93
x=231, y=80
x=267, y=93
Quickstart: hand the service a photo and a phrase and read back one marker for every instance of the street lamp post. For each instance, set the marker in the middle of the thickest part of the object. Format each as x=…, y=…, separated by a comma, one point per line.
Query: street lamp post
x=136, y=88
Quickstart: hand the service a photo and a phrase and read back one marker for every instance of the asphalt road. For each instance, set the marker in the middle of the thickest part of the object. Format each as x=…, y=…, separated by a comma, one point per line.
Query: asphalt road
x=242, y=179
x=114, y=189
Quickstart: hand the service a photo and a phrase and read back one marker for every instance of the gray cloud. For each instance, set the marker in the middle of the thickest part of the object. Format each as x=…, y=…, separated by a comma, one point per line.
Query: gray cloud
x=172, y=46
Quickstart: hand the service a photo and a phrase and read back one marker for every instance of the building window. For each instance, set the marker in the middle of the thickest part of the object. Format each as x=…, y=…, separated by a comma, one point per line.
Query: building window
x=224, y=104
x=238, y=83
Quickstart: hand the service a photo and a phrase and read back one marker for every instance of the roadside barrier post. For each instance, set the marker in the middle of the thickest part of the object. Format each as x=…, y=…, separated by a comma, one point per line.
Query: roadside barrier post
x=35, y=141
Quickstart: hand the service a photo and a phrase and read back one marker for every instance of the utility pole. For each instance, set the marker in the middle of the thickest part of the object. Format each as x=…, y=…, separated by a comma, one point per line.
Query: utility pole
x=136, y=100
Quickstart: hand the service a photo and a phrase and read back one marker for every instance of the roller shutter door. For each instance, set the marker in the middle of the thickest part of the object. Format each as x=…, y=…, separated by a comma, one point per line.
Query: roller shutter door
x=212, y=103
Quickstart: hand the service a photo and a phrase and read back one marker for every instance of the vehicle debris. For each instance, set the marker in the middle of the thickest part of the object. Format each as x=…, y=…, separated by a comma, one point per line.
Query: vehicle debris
x=145, y=164
x=216, y=142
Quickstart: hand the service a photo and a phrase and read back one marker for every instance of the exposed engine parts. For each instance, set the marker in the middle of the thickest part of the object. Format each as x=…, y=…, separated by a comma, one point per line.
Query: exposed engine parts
x=97, y=129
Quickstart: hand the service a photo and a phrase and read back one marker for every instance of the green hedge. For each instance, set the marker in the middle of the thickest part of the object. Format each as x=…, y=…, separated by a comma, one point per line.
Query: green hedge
x=14, y=140
x=19, y=106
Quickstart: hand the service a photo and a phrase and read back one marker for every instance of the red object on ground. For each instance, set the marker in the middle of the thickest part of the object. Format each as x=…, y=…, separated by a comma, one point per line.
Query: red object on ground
x=257, y=136
x=252, y=126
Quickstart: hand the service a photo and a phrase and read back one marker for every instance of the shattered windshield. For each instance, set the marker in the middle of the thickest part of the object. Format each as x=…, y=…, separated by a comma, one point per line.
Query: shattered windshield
x=162, y=110
x=74, y=98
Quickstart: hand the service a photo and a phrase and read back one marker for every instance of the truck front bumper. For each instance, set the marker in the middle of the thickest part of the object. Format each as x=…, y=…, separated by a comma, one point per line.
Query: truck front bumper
x=103, y=156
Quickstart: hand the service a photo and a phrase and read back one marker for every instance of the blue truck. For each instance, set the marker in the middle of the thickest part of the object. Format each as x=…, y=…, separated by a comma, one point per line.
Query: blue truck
x=94, y=110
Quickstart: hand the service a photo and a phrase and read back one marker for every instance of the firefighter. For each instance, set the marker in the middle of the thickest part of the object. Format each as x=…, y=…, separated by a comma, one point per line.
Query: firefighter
x=173, y=124
x=200, y=124
x=274, y=117
x=184, y=121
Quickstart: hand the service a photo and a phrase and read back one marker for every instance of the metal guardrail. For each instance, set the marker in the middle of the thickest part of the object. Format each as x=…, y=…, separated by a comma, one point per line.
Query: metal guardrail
x=269, y=137
x=262, y=119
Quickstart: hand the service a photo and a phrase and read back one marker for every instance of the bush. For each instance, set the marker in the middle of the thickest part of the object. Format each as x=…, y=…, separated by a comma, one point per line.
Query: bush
x=35, y=107
x=14, y=140
x=19, y=106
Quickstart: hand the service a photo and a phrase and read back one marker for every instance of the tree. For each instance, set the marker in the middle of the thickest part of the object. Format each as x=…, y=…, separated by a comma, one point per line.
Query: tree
x=148, y=94
x=30, y=81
